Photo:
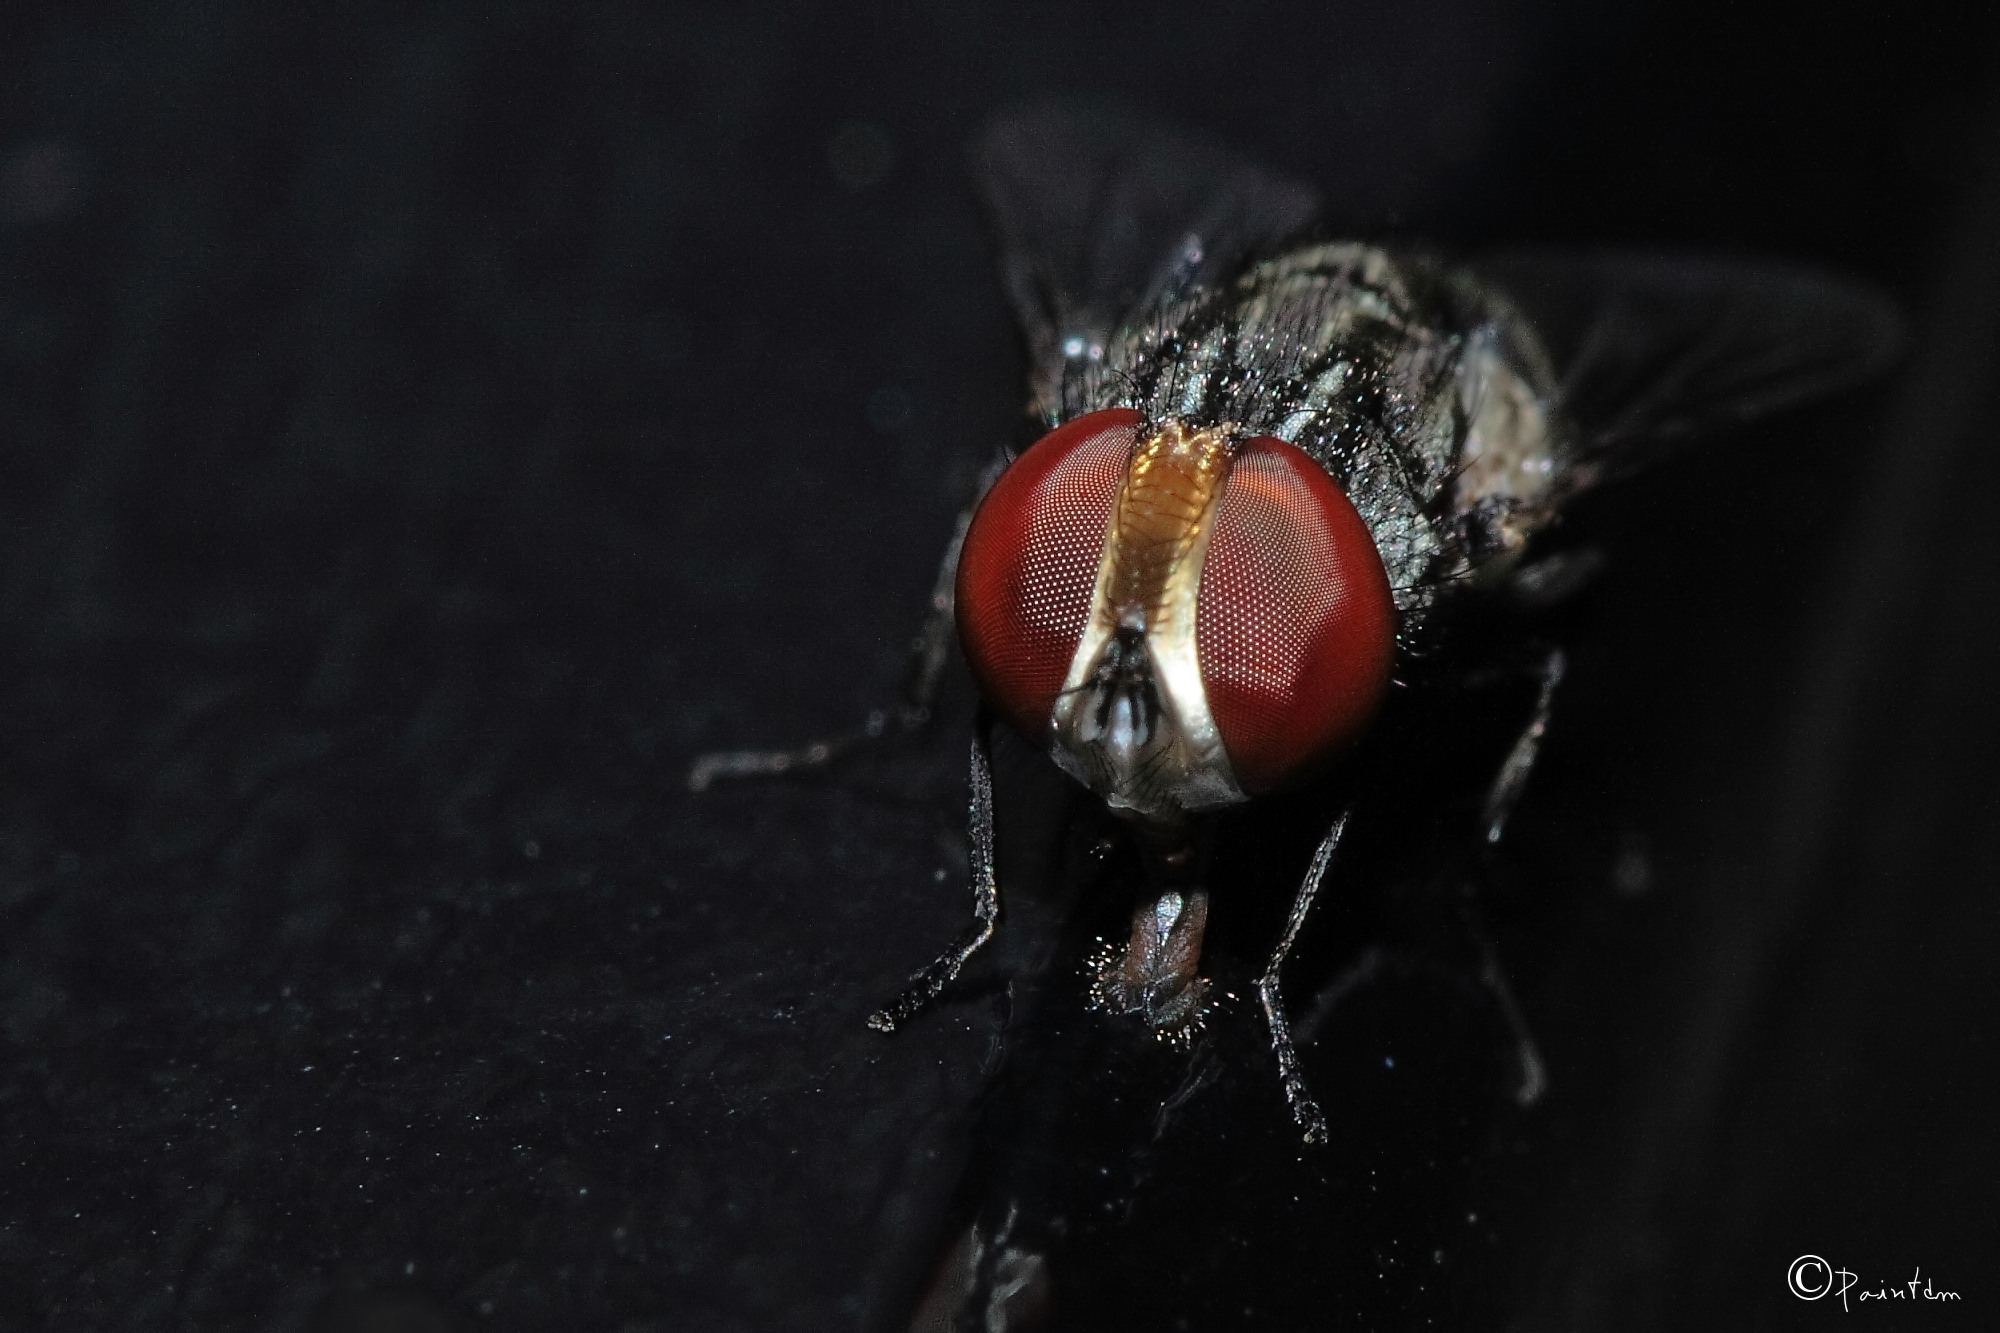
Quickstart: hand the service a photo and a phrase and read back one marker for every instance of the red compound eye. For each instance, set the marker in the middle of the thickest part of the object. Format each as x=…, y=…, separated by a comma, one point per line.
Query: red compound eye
x=1295, y=625
x=1029, y=566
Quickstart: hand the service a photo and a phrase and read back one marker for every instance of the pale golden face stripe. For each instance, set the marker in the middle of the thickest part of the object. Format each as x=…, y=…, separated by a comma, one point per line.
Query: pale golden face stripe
x=1156, y=764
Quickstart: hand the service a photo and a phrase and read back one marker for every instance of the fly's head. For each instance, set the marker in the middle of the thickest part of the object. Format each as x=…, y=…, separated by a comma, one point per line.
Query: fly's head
x=1185, y=616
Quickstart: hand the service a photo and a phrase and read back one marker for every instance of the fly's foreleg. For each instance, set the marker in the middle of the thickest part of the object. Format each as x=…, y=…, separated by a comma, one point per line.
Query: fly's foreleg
x=926, y=985
x=1304, y=1109
x=929, y=652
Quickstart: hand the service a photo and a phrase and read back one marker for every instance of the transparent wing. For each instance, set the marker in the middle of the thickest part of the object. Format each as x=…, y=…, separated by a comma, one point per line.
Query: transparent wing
x=1651, y=350
x=1100, y=212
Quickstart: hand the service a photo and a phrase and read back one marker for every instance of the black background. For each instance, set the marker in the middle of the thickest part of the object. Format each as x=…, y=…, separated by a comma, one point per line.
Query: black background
x=424, y=428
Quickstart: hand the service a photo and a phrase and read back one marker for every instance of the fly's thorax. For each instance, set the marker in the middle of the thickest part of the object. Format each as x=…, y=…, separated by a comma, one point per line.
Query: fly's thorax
x=1421, y=390
x=1133, y=722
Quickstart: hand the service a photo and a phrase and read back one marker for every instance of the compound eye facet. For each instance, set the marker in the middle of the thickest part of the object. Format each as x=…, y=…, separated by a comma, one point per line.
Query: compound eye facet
x=1295, y=624
x=1029, y=566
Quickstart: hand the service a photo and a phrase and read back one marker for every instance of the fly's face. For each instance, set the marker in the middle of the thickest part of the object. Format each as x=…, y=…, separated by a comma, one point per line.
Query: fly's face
x=1186, y=617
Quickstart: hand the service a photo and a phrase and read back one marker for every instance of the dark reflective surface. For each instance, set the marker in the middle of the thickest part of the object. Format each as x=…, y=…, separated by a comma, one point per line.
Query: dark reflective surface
x=422, y=431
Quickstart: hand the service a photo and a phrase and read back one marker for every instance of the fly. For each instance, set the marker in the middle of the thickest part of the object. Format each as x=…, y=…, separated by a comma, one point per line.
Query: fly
x=1273, y=473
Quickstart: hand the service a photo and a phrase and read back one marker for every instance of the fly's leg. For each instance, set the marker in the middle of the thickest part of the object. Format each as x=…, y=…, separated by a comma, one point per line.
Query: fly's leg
x=931, y=649
x=720, y=765
x=929, y=652
x=927, y=658
x=1533, y=1078
x=1508, y=784
x=1532, y=1072
x=1362, y=972
x=925, y=986
x=1304, y=1109
x=1512, y=778
x=1501, y=798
